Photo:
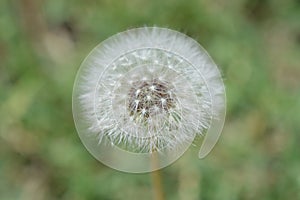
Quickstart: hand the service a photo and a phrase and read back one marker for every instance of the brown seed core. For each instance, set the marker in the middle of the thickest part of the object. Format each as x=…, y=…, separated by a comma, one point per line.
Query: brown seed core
x=148, y=98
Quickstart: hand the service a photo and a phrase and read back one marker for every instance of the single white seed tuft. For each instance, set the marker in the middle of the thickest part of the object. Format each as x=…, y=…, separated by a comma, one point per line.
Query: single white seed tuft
x=152, y=87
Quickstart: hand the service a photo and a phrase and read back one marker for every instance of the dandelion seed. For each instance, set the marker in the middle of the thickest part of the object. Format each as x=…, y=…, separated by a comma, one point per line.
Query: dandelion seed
x=146, y=92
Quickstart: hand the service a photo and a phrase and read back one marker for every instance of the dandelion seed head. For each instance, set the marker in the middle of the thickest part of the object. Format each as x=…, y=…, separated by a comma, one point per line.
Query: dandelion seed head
x=146, y=92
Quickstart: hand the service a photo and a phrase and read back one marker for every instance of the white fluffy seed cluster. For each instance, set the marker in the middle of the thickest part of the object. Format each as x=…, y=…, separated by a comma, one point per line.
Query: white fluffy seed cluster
x=149, y=90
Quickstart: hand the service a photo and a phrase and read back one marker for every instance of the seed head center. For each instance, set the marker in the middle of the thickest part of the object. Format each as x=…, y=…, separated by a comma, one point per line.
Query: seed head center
x=149, y=98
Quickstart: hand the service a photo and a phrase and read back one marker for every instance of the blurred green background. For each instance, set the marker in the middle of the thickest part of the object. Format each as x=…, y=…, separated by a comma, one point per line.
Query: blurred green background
x=256, y=43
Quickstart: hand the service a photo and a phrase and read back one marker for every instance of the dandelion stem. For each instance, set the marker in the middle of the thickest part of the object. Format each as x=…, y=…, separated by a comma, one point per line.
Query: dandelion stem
x=157, y=180
x=157, y=185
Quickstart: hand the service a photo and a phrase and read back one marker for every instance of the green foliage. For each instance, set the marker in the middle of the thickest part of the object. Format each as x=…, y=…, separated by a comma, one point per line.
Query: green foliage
x=255, y=43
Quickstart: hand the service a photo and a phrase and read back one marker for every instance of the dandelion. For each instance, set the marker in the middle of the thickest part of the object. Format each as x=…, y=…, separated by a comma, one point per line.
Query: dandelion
x=146, y=92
